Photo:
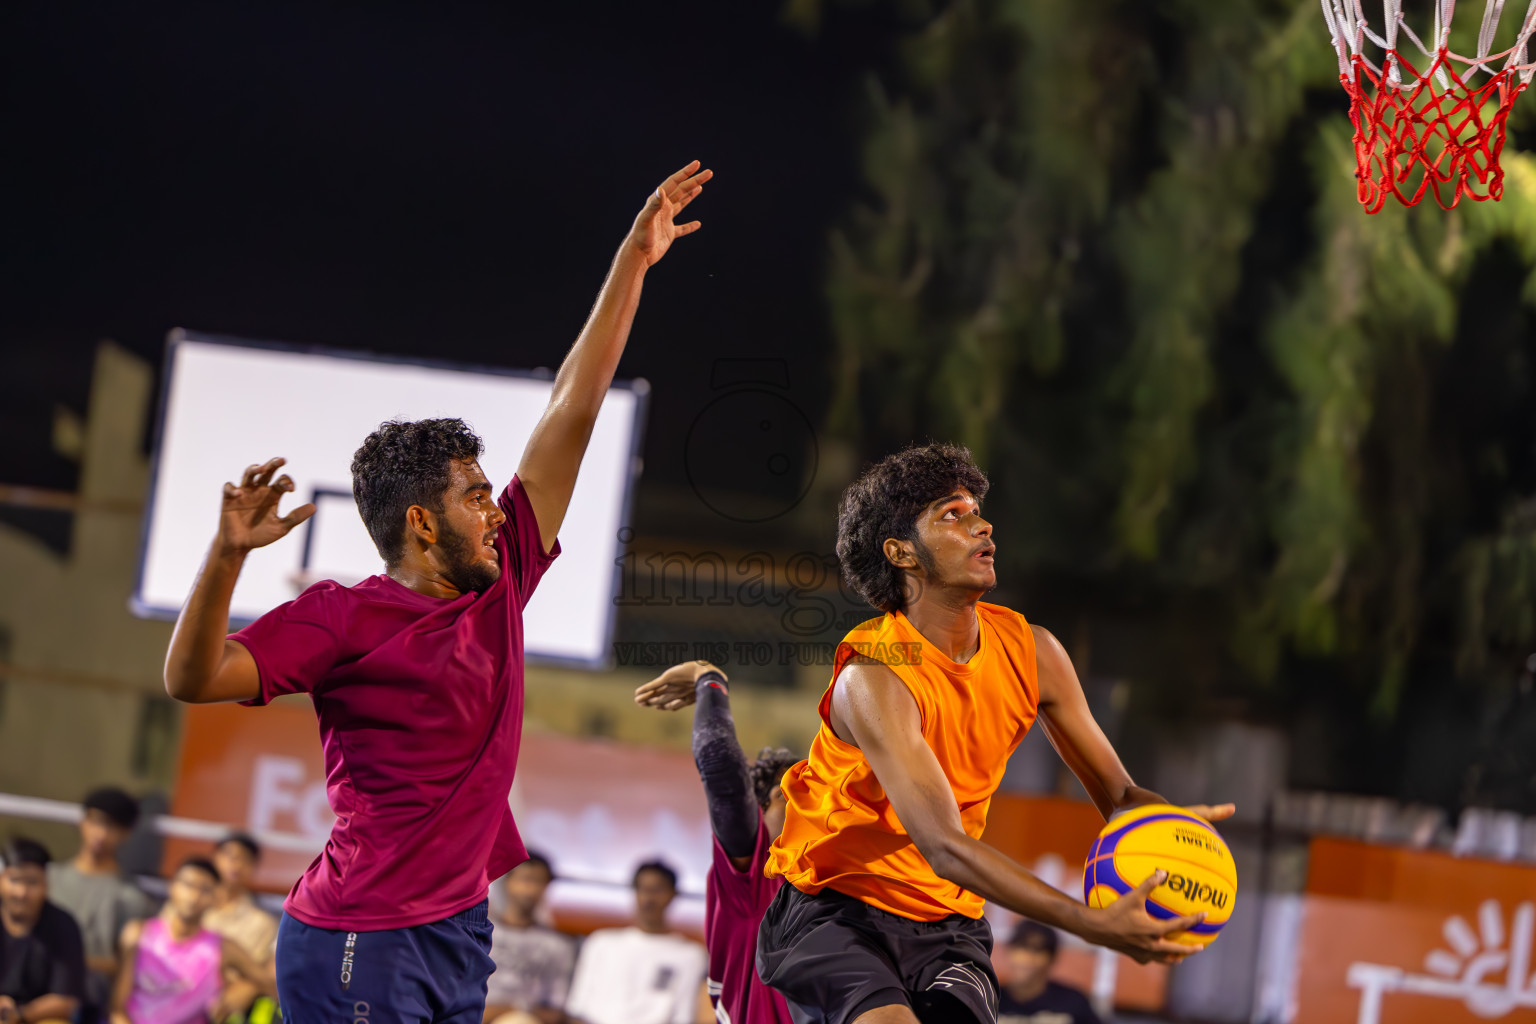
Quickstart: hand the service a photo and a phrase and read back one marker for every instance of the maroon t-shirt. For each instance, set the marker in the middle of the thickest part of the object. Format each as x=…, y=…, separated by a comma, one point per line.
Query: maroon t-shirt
x=734, y=904
x=420, y=701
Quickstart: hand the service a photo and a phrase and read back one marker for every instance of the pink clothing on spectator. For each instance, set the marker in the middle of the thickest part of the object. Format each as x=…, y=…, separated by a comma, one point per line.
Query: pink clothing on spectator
x=734, y=904
x=420, y=702
x=174, y=982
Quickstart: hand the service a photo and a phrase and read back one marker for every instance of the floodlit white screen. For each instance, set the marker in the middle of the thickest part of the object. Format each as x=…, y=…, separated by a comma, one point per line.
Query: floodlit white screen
x=230, y=405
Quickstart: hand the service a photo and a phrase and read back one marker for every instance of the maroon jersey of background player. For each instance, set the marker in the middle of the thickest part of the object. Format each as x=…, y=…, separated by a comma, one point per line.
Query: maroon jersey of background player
x=746, y=813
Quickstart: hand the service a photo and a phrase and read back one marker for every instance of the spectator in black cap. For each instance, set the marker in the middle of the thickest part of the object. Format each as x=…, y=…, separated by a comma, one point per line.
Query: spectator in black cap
x=94, y=889
x=1029, y=996
x=42, y=961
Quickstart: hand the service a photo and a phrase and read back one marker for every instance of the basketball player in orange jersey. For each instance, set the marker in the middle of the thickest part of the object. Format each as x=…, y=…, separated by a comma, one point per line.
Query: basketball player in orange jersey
x=882, y=920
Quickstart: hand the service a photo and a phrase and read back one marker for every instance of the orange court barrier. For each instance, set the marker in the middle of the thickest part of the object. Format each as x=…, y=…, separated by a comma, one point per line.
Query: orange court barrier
x=594, y=807
x=1395, y=936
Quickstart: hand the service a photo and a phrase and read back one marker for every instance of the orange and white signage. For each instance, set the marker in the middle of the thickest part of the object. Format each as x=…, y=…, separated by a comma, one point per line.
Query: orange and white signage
x=260, y=771
x=1410, y=937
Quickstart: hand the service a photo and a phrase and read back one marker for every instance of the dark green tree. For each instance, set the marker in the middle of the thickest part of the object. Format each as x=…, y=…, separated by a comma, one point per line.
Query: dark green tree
x=1114, y=246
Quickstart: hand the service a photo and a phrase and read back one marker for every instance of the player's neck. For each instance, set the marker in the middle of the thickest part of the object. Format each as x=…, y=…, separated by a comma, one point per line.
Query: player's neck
x=422, y=576
x=513, y=917
x=1033, y=990
x=88, y=863
x=16, y=926
x=180, y=928
x=653, y=927
x=948, y=622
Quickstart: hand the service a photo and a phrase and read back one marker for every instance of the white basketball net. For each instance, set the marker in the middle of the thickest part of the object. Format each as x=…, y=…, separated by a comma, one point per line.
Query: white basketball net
x=1351, y=32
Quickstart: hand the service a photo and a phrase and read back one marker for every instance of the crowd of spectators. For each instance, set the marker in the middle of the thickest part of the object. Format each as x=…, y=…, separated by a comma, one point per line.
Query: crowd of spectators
x=644, y=973
x=82, y=944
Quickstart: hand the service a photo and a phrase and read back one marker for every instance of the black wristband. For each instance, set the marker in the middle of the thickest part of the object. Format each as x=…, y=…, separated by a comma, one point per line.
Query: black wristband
x=712, y=678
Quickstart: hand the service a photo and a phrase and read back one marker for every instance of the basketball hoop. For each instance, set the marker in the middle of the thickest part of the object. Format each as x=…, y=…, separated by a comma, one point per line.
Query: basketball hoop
x=1440, y=129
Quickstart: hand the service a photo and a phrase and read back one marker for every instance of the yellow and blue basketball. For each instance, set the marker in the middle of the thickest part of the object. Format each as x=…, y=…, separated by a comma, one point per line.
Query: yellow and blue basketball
x=1201, y=875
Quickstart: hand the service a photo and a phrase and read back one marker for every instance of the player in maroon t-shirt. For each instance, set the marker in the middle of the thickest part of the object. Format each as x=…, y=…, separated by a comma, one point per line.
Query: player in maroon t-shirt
x=416, y=676
x=746, y=814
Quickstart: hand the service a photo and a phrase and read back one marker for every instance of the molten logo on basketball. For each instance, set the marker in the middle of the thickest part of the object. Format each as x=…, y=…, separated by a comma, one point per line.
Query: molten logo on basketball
x=1197, y=892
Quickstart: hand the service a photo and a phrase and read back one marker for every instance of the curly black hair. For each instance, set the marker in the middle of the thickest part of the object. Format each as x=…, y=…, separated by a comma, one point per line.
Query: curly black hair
x=403, y=464
x=885, y=501
x=768, y=771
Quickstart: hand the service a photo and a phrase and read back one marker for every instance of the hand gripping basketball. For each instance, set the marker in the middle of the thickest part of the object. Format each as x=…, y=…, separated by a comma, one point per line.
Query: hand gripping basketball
x=248, y=517
x=1126, y=927
x=1179, y=844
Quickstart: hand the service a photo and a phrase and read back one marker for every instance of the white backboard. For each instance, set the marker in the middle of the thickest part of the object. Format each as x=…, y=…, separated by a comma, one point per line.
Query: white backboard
x=227, y=404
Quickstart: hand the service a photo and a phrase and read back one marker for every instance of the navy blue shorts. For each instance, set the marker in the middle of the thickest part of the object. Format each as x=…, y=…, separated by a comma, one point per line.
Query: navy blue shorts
x=430, y=974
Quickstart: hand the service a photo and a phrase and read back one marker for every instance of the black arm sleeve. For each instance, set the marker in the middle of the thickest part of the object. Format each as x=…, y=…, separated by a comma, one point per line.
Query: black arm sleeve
x=733, y=810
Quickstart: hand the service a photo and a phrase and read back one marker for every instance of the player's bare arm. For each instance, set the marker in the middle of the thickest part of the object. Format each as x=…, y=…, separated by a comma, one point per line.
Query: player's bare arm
x=202, y=665
x=52, y=1006
x=872, y=710
x=1070, y=726
x=264, y=977
x=553, y=456
x=244, y=980
x=122, y=984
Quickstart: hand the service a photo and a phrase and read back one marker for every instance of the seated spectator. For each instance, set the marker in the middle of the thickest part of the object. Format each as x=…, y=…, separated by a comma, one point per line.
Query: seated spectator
x=236, y=916
x=94, y=889
x=42, y=957
x=1029, y=996
x=533, y=963
x=643, y=974
x=172, y=967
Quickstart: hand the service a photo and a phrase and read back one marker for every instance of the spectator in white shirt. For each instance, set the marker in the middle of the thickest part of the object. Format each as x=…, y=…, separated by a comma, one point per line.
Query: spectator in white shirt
x=643, y=974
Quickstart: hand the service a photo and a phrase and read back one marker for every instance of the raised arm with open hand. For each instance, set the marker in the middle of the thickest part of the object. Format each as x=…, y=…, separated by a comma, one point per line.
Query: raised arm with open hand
x=656, y=225
x=553, y=456
x=203, y=666
x=248, y=518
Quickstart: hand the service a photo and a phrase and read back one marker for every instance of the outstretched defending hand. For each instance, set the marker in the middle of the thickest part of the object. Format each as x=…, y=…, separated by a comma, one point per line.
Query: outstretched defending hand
x=249, y=519
x=674, y=689
x=655, y=227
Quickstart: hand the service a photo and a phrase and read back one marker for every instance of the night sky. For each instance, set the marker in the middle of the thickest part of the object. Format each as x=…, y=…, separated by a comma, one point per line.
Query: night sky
x=443, y=179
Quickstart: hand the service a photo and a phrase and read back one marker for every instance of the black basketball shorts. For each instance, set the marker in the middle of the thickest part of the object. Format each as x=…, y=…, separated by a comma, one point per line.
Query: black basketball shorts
x=834, y=957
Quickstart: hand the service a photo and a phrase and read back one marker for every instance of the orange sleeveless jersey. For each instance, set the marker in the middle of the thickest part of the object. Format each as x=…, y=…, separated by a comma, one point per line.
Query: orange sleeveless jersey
x=839, y=828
